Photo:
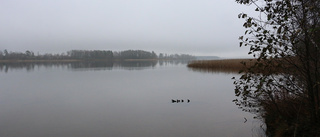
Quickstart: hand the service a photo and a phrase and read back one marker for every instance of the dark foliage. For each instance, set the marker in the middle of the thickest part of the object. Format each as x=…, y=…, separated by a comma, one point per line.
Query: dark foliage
x=285, y=40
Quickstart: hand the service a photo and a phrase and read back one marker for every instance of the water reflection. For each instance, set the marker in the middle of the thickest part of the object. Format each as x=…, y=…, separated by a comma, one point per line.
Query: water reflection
x=216, y=70
x=135, y=65
x=89, y=65
x=116, y=103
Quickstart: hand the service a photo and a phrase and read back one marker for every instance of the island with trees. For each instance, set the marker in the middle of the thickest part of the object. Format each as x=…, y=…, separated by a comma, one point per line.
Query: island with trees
x=89, y=55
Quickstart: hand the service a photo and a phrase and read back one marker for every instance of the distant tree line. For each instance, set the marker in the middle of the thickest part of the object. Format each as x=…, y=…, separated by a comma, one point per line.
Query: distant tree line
x=88, y=54
x=92, y=55
x=135, y=54
x=176, y=56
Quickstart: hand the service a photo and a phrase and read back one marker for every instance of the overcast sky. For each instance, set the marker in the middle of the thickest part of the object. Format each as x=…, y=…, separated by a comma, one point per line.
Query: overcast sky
x=197, y=27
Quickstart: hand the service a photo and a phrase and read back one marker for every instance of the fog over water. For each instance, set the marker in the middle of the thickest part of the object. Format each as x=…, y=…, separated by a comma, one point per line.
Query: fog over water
x=208, y=27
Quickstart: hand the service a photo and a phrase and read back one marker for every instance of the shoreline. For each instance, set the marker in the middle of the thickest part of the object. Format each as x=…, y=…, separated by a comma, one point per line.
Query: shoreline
x=77, y=60
x=38, y=61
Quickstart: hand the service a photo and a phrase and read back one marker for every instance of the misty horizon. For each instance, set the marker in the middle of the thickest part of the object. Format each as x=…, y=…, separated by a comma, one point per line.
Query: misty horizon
x=206, y=28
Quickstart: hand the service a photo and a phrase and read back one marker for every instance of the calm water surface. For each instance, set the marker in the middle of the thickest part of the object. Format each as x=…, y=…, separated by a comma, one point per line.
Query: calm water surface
x=118, y=100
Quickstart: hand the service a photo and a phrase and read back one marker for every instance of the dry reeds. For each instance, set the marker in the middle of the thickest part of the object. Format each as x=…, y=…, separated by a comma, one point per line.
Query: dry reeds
x=225, y=65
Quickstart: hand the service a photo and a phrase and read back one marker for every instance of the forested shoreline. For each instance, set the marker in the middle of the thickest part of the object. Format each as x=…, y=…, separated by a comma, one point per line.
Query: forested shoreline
x=87, y=55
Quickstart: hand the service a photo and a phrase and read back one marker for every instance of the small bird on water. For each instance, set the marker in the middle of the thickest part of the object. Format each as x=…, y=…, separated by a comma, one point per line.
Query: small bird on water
x=177, y=101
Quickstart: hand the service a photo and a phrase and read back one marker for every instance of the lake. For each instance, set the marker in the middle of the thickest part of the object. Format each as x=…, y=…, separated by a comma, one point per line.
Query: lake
x=119, y=99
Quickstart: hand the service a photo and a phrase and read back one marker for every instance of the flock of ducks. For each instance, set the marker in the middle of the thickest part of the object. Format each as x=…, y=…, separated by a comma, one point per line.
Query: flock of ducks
x=179, y=100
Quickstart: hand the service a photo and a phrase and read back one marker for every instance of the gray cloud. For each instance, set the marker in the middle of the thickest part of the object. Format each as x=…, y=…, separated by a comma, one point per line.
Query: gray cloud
x=207, y=27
